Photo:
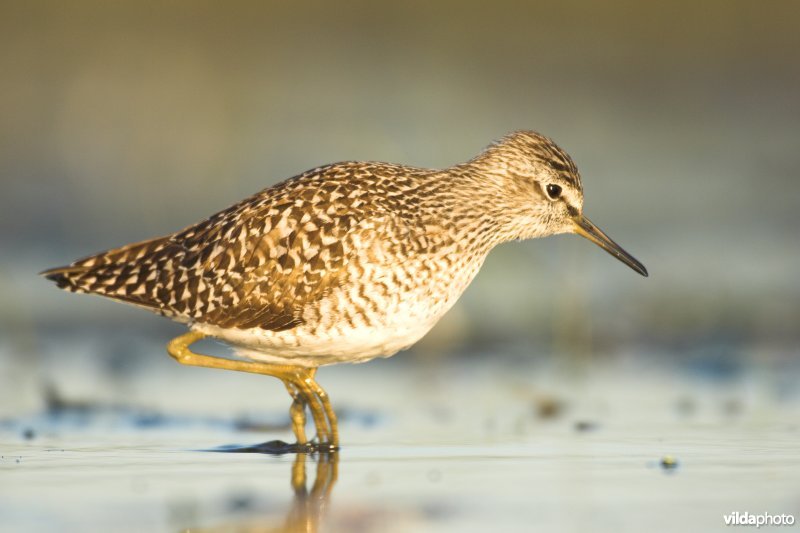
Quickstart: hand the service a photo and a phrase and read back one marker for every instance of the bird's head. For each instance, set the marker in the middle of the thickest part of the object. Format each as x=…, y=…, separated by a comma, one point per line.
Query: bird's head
x=543, y=191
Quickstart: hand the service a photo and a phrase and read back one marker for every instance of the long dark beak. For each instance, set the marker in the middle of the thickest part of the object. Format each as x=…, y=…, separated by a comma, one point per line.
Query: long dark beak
x=585, y=228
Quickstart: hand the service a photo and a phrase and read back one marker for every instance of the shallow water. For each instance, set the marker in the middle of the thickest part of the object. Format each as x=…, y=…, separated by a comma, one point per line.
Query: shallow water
x=463, y=445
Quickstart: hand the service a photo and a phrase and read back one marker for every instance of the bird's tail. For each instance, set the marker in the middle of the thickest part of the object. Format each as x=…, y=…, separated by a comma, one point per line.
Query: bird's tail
x=107, y=273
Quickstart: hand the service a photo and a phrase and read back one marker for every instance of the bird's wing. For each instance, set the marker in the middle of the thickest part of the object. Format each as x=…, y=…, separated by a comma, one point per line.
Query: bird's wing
x=280, y=260
x=259, y=263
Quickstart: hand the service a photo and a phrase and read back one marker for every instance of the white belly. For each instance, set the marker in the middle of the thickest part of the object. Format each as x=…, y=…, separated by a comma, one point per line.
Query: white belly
x=302, y=347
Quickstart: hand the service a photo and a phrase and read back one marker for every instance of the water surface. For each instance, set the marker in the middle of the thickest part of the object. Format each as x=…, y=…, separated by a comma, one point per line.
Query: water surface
x=464, y=445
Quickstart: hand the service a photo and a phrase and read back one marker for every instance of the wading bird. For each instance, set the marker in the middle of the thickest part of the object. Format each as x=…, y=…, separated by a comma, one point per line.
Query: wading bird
x=343, y=263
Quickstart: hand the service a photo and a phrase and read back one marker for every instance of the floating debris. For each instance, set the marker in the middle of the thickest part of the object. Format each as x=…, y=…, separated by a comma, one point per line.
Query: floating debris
x=548, y=407
x=668, y=462
x=241, y=501
x=585, y=426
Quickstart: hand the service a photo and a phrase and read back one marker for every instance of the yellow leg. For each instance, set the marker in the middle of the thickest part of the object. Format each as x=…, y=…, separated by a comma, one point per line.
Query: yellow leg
x=298, y=413
x=299, y=382
x=326, y=405
x=321, y=408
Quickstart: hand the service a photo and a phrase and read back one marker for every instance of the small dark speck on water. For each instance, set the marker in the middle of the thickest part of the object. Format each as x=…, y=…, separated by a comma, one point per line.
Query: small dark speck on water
x=585, y=426
x=28, y=434
x=240, y=502
x=58, y=405
x=369, y=419
x=148, y=420
x=437, y=512
x=548, y=407
x=668, y=462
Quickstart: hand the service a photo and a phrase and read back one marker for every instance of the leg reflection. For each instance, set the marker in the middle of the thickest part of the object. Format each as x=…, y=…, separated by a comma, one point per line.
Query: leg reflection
x=309, y=506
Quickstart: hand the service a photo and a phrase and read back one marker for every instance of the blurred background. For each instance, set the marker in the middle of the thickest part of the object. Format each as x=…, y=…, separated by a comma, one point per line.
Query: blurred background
x=126, y=120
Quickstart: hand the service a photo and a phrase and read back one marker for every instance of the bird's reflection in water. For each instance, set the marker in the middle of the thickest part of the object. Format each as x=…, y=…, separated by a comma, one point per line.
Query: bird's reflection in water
x=308, y=503
x=308, y=506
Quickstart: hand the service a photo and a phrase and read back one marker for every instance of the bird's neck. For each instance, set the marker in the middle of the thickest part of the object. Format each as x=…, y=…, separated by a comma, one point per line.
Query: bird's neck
x=476, y=204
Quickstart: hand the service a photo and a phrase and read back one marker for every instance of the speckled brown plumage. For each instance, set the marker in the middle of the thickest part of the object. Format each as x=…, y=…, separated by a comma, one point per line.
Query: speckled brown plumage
x=344, y=262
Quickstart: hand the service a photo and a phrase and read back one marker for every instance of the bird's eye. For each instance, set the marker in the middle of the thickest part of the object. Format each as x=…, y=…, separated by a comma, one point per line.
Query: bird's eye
x=553, y=191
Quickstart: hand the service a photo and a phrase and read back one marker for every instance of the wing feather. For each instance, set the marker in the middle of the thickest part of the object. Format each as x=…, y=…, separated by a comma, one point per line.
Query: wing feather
x=260, y=263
